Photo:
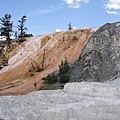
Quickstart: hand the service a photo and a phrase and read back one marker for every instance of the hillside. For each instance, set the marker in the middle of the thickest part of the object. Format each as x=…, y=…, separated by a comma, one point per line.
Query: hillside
x=18, y=77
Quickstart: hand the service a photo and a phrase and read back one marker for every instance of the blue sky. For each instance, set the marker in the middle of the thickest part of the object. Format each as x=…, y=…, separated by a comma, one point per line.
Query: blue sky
x=47, y=16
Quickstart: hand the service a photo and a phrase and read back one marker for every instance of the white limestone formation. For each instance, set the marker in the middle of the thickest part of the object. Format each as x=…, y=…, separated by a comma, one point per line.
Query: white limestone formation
x=77, y=101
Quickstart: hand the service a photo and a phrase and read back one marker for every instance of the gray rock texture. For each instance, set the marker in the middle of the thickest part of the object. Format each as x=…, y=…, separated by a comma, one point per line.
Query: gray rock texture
x=77, y=101
x=100, y=58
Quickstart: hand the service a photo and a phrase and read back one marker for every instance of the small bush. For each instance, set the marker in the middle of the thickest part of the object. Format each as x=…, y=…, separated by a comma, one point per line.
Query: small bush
x=64, y=78
x=64, y=71
x=39, y=69
x=74, y=38
x=32, y=74
x=64, y=67
x=61, y=77
x=51, y=79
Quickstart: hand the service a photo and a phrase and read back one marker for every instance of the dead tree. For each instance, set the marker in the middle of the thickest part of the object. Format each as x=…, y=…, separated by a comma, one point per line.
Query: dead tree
x=43, y=60
x=37, y=67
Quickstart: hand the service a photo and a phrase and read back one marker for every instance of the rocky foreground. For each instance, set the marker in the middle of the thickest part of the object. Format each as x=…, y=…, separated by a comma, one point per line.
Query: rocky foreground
x=77, y=101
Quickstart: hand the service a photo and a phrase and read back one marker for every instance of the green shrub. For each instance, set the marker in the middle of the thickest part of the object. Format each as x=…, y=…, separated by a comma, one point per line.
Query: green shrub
x=64, y=71
x=64, y=67
x=64, y=78
x=51, y=79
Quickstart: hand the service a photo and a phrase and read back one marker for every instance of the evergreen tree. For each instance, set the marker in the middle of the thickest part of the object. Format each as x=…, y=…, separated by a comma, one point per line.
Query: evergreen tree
x=21, y=27
x=15, y=34
x=6, y=27
x=64, y=71
x=64, y=67
x=69, y=26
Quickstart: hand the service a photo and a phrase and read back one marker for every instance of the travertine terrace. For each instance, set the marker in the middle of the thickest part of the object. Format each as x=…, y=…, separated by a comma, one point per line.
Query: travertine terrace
x=15, y=78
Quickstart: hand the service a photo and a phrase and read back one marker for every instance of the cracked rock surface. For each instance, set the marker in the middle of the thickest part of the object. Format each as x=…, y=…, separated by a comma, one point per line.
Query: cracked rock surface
x=100, y=58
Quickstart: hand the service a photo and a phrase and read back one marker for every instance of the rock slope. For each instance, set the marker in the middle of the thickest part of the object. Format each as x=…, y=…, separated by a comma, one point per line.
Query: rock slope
x=78, y=101
x=19, y=76
x=100, y=58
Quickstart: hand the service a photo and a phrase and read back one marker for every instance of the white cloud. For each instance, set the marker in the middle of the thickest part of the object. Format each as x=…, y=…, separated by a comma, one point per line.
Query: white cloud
x=43, y=11
x=35, y=27
x=111, y=12
x=75, y=3
x=69, y=1
x=58, y=30
x=74, y=28
x=112, y=6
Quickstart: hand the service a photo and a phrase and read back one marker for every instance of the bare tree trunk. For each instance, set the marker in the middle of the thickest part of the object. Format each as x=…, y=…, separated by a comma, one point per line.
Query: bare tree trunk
x=43, y=60
x=8, y=42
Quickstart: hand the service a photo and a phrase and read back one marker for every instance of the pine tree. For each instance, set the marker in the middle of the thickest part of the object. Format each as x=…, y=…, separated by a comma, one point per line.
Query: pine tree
x=6, y=28
x=21, y=27
x=64, y=71
x=69, y=26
